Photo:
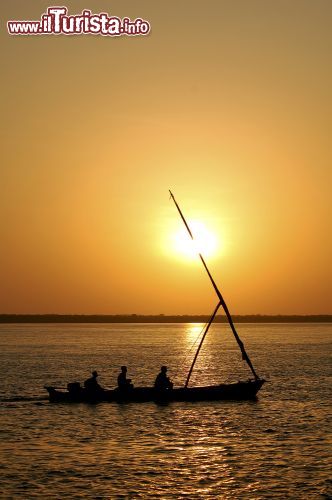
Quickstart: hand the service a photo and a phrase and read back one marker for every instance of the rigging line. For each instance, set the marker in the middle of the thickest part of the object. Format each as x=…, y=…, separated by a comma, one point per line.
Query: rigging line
x=201, y=343
x=204, y=329
x=188, y=350
x=198, y=336
x=193, y=344
x=186, y=356
x=221, y=299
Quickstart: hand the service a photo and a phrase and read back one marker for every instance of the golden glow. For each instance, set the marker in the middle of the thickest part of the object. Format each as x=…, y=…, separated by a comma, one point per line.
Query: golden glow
x=205, y=242
x=194, y=332
x=234, y=121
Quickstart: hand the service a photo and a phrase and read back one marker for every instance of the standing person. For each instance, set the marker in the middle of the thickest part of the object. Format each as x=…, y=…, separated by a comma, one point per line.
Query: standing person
x=124, y=383
x=163, y=382
x=91, y=384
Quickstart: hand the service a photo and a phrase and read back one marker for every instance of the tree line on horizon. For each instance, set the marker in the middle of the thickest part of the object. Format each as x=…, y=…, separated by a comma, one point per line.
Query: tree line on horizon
x=159, y=318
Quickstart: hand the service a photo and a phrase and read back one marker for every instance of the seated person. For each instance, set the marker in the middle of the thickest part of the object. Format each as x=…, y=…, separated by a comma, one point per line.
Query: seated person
x=124, y=383
x=163, y=382
x=91, y=383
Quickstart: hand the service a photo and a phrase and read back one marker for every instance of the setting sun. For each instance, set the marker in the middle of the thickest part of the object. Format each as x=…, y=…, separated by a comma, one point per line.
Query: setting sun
x=211, y=110
x=205, y=242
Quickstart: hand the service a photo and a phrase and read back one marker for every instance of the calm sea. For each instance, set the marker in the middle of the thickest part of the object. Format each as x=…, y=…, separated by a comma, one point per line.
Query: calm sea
x=278, y=447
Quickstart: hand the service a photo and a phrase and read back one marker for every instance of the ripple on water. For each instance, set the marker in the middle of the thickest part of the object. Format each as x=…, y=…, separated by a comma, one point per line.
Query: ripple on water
x=277, y=447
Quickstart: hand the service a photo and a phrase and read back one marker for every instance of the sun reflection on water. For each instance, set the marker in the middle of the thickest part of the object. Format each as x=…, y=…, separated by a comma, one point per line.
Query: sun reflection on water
x=193, y=332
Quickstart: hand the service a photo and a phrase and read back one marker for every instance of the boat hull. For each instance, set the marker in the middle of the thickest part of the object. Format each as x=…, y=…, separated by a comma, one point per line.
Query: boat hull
x=237, y=391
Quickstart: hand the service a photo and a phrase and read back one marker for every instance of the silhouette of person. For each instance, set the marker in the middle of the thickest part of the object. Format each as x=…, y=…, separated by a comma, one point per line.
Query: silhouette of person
x=163, y=382
x=124, y=383
x=91, y=383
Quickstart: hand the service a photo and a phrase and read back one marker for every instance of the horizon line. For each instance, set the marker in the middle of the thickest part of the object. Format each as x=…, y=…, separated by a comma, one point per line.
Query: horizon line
x=158, y=318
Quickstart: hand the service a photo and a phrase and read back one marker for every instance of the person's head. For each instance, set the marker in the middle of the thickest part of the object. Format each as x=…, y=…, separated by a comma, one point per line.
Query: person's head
x=163, y=369
x=95, y=374
x=123, y=369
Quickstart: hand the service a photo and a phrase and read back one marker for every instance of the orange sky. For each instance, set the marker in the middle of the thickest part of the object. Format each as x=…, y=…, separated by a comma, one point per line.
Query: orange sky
x=226, y=102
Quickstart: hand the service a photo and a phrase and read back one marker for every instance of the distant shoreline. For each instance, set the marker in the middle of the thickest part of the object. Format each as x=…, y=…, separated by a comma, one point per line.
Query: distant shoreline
x=139, y=318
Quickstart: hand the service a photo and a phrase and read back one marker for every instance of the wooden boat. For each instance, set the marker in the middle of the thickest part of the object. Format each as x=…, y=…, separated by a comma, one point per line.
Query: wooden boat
x=237, y=391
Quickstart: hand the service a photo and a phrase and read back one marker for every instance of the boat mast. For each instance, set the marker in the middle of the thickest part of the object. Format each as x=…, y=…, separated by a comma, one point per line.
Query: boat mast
x=245, y=356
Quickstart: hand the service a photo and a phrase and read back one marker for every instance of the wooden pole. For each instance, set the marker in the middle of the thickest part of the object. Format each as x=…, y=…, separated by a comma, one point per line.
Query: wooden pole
x=201, y=343
x=221, y=299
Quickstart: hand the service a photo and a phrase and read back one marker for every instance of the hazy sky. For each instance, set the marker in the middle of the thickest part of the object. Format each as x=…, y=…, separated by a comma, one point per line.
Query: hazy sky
x=228, y=103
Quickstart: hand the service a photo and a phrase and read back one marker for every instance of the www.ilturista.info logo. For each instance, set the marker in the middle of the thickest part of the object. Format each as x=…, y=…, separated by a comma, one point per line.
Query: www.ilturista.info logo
x=56, y=21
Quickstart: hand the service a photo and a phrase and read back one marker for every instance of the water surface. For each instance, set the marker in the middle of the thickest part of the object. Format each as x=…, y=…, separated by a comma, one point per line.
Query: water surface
x=277, y=447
